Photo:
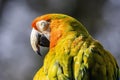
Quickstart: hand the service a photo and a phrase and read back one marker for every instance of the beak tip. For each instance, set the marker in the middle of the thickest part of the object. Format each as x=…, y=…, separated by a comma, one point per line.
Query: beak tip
x=38, y=52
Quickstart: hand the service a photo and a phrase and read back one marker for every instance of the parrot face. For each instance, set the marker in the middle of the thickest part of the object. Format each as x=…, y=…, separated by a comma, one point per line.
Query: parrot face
x=41, y=36
x=41, y=32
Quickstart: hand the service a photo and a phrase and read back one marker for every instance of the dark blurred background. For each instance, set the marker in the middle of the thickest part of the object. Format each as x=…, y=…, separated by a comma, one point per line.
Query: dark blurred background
x=17, y=59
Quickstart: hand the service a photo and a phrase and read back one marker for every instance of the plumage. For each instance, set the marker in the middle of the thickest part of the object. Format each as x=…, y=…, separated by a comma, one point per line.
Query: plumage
x=73, y=53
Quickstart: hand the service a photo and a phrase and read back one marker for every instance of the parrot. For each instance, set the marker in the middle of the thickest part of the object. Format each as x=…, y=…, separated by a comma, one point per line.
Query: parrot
x=73, y=53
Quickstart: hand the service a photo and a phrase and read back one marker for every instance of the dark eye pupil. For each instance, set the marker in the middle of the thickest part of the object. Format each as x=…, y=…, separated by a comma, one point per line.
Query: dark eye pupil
x=43, y=24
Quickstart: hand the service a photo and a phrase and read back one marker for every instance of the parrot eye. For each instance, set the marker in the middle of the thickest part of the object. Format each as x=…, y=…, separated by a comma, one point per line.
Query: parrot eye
x=42, y=25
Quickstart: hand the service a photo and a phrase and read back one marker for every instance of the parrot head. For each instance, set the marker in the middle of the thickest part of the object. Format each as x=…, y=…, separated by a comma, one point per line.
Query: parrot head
x=49, y=28
x=40, y=35
x=41, y=32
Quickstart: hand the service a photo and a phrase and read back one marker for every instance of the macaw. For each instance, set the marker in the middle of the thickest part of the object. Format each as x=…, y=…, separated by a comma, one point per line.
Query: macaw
x=73, y=53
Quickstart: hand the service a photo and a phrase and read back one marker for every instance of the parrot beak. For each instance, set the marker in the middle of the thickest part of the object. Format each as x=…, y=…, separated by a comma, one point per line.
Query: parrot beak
x=38, y=40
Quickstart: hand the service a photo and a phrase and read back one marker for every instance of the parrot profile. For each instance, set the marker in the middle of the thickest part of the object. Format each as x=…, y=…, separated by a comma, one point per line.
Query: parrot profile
x=73, y=53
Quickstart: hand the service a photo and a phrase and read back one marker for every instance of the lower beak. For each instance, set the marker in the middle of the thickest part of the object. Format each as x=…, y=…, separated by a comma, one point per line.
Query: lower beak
x=38, y=40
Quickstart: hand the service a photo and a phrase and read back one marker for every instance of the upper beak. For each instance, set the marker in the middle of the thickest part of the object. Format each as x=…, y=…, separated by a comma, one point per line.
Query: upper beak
x=38, y=40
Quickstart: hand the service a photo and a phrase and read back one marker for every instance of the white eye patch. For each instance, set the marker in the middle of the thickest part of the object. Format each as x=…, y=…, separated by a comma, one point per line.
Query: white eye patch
x=42, y=25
